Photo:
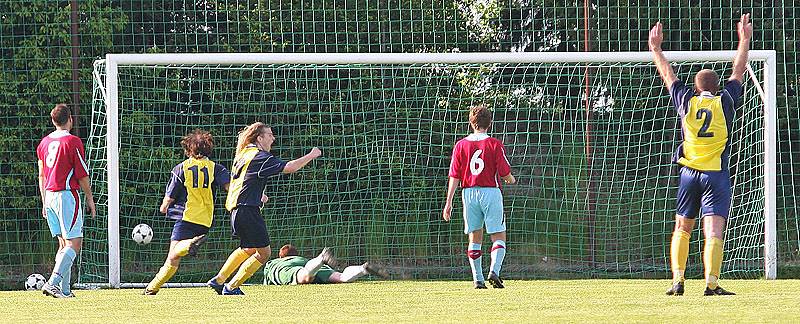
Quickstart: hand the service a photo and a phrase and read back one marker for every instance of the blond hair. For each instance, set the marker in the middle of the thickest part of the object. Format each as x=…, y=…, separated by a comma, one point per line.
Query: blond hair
x=249, y=134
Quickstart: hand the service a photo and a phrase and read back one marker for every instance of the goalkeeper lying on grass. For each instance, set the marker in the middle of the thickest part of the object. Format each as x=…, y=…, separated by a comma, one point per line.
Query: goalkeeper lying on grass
x=291, y=269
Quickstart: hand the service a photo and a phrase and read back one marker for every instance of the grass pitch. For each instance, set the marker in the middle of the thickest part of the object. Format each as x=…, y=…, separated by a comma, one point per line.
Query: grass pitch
x=618, y=301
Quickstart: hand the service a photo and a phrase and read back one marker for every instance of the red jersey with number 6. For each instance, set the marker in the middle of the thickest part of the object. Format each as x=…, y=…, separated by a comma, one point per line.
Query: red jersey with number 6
x=479, y=161
x=63, y=161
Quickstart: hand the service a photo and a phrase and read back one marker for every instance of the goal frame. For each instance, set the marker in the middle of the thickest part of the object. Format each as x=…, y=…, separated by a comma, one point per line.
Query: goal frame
x=113, y=61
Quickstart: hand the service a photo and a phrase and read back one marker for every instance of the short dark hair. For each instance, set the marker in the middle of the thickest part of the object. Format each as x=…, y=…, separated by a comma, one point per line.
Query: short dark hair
x=480, y=116
x=198, y=144
x=707, y=80
x=287, y=250
x=60, y=114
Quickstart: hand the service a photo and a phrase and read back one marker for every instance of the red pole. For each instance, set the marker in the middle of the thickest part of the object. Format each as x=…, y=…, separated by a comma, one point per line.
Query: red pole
x=590, y=199
x=76, y=85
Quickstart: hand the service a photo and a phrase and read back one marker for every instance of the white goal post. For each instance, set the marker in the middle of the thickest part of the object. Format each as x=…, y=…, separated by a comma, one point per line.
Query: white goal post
x=113, y=61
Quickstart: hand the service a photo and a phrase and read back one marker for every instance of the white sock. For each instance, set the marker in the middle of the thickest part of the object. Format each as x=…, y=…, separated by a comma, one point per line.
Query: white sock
x=474, y=256
x=63, y=264
x=498, y=254
x=55, y=276
x=313, y=265
x=66, y=288
x=352, y=273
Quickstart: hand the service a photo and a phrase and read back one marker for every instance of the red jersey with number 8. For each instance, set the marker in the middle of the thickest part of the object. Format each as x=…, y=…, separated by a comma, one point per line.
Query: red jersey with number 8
x=63, y=161
x=479, y=161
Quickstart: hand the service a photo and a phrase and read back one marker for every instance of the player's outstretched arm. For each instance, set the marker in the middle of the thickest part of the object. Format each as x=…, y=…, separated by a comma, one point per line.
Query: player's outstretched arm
x=451, y=191
x=664, y=68
x=87, y=192
x=745, y=30
x=295, y=165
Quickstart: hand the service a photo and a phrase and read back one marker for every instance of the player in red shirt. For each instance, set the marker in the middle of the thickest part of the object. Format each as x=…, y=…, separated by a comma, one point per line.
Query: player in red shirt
x=478, y=163
x=62, y=171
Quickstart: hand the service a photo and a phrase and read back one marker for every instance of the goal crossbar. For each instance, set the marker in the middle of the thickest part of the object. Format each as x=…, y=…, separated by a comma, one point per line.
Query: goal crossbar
x=422, y=58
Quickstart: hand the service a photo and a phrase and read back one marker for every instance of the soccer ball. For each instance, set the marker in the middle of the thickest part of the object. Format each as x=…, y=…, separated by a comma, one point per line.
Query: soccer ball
x=142, y=234
x=34, y=282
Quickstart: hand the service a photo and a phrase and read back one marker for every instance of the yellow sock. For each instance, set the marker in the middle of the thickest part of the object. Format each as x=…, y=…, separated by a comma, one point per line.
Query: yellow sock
x=712, y=260
x=182, y=247
x=234, y=260
x=679, y=252
x=164, y=274
x=247, y=270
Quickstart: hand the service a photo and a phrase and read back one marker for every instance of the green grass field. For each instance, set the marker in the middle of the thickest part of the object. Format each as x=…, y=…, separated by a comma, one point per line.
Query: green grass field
x=418, y=301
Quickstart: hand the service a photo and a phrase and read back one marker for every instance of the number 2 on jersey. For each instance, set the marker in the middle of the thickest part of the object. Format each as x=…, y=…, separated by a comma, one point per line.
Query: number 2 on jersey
x=476, y=164
x=706, y=115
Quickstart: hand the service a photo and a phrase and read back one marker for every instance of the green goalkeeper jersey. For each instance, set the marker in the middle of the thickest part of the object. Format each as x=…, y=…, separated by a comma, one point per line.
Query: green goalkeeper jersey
x=283, y=271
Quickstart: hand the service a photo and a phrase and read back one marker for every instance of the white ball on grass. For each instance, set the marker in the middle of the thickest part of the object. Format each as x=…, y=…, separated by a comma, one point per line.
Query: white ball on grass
x=34, y=282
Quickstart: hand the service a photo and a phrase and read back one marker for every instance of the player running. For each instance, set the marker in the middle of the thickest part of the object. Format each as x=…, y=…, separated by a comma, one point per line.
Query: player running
x=253, y=165
x=189, y=200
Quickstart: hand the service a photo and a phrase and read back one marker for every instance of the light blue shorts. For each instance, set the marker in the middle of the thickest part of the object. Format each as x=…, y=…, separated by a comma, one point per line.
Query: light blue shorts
x=64, y=214
x=483, y=205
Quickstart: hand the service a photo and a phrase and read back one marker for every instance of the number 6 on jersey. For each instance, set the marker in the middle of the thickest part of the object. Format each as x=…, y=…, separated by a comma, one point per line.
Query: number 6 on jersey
x=476, y=163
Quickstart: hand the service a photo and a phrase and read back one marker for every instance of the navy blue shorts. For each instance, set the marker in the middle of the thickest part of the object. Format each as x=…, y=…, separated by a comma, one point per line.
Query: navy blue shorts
x=186, y=230
x=249, y=226
x=704, y=192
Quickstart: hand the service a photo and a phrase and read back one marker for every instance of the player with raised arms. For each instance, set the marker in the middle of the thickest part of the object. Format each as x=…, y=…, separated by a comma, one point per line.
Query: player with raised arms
x=477, y=164
x=252, y=168
x=291, y=269
x=189, y=200
x=706, y=116
x=62, y=171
